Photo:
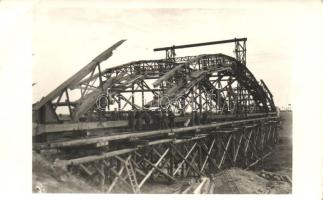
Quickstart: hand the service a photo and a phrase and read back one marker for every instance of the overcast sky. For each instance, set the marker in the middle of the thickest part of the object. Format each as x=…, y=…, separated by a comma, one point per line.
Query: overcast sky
x=67, y=35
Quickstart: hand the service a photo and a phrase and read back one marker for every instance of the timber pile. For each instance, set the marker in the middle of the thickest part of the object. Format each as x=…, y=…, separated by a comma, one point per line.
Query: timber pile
x=274, y=177
x=194, y=186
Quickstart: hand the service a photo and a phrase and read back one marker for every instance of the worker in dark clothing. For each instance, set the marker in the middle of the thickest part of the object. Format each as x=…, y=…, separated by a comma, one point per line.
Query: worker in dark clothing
x=156, y=119
x=113, y=115
x=164, y=119
x=138, y=120
x=159, y=119
x=171, y=119
x=197, y=118
x=131, y=120
x=194, y=116
x=102, y=109
x=147, y=119
x=204, y=118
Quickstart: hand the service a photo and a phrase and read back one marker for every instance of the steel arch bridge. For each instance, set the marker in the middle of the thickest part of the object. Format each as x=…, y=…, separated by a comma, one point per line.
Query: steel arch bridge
x=158, y=119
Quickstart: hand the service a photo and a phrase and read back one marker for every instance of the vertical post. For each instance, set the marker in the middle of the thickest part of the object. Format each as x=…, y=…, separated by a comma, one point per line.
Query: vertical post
x=108, y=174
x=200, y=100
x=171, y=161
x=119, y=103
x=152, y=160
x=192, y=106
x=132, y=91
x=68, y=103
x=119, y=98
x=170, y=54
x=206, y=101
x=200, y=93
x=233, y=148
x=240, y=51
x=200, y=161
x=102, y=178
x=142, y=94
x=183, y=166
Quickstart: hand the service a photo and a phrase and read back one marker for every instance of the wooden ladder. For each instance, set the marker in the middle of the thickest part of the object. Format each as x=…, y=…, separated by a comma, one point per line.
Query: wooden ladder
x=132, y=177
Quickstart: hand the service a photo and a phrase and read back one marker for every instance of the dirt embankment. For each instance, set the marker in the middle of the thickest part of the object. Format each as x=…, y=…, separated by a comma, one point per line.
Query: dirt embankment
x=50, y=179
x=275, y=177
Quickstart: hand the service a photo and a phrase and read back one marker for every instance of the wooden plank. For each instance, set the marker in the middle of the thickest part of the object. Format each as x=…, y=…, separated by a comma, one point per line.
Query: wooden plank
x=80, y=142
x=192, y=163
x=159, y=170
x=77, y=76
x=259, y=159
x=115, y=180
x=77, y=161
x=187, y=190
x=237, y=150
x=200, y=186
x=171, y=72
x=160, y=141
x=53, y=128
x=225, y=152
x=168, y=75
x=123, y=179
x=100, y=170
x=193, y=167
x=209, y=156
x=91, y=99
x=106, y=163
x=185, y=159
x=93, y=125
x=154, y=167
x=86, y=170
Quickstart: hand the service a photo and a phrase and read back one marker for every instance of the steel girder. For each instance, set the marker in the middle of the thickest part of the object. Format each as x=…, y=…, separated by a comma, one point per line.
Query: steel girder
x=213, y=82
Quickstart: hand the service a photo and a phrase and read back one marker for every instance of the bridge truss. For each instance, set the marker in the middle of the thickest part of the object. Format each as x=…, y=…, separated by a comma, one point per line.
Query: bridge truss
x=109, y=125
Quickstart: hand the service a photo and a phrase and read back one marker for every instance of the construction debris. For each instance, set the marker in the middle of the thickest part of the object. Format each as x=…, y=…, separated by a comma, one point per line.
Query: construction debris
x=238, y=181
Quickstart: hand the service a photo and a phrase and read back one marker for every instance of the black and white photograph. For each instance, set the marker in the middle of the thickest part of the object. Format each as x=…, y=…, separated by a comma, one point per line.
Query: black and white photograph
x=171, y=97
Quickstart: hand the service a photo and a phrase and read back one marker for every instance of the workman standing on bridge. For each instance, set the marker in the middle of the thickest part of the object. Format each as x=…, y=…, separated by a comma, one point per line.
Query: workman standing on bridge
x=204, y=119
x=164, y=119
x=155, y=118
x=138, y=120
x=147, y=119
x=195, y=118
x=114, y=114
x=171, y=118
x=131, y=120
x=102, y=109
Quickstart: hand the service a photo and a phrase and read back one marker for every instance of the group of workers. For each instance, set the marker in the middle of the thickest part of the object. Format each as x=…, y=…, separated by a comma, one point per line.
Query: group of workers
x=161, y=119
x=200, y=118
x=148, y=120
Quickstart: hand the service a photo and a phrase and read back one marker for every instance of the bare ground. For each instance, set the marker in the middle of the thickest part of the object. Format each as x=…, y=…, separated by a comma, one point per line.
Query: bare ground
x=48, y=178
x=280, y=161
